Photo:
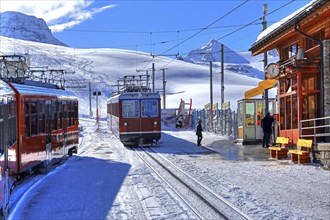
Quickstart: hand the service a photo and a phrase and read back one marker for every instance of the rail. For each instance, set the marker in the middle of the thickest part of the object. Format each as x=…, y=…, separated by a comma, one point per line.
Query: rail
x=320, y=128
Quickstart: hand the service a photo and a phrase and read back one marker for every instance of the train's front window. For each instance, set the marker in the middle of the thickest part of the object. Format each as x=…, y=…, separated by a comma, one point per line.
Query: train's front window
x=131, y=109
x=149, y=108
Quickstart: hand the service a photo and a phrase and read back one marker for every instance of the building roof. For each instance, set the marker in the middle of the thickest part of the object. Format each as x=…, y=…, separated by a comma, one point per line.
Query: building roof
x=286, y=23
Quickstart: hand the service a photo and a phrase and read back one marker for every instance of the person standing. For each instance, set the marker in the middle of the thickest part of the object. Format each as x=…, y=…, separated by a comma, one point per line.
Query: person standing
x=199, y=130
x=266, y=124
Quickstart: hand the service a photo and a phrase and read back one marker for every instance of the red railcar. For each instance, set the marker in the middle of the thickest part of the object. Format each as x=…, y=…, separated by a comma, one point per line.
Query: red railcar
x=135, y=117
x=38, y=124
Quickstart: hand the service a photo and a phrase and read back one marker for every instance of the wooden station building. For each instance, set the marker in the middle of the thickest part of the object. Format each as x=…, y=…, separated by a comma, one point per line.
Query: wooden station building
x=303, y=71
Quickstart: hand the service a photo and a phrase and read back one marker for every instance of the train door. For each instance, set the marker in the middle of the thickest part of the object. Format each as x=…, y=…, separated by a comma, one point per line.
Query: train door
x=48, y=129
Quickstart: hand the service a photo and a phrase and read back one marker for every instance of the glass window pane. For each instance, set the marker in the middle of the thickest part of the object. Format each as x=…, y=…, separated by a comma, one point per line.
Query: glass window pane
x=27, y=117
x=288, y=113
x=149, y=108
x=249, y=114
x=34, y=118
x=131, y=109
x=282, y=113
x=294, y=112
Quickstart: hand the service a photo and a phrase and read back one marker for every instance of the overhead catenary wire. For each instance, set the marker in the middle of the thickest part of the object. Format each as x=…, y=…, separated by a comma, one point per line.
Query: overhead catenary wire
x=203, y=29
x=250, y=23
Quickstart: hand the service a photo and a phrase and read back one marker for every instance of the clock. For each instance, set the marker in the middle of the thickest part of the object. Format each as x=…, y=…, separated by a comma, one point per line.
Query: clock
x=272, y=70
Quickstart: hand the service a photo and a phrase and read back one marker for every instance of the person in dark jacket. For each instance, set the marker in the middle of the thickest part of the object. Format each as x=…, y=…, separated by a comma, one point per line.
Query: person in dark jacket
x=199, y=130
x=266, y=124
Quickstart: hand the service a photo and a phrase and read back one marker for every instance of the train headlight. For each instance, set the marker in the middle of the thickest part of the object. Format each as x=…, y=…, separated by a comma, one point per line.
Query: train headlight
x=125, y=123
x=155, y=122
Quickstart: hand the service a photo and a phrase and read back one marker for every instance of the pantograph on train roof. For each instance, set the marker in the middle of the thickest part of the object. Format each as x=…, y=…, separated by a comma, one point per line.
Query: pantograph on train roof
x=133, y=83
x=14, y=68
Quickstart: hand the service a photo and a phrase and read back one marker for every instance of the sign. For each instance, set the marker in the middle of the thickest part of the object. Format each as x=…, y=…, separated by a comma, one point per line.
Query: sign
x=225, y=105
x=253, y=92
x=208, y=106
x=267, y=84
x=215, y=106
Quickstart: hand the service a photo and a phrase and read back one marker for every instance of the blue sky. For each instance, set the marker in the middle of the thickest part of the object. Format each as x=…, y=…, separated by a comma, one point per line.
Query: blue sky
x=155, y=27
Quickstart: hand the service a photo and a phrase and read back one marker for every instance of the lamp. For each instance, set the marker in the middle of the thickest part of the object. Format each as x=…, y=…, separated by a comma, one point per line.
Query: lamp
x=301, y=54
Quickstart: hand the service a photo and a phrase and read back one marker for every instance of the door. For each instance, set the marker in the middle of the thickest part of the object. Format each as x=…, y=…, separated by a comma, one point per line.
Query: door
x=250, y=123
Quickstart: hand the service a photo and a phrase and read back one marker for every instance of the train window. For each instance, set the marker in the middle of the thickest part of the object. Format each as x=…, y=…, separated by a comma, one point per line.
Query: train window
x=13, y=121
x=48, y=116
x=131, y=109
x=34, y=117
x=27, y=117
x=149, y=108
x=41, y=109
x=54, y=114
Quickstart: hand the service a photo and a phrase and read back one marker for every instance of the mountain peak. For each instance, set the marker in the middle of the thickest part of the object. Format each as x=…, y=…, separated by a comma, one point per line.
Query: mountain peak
x=25, y=27
x=211, y=52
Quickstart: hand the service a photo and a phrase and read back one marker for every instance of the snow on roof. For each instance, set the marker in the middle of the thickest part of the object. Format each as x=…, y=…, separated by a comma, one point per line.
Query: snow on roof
x=35, y=90
x=285, y=21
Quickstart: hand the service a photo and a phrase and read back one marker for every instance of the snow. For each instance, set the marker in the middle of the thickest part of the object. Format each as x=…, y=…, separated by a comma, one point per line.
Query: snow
x=278, y=24
x=25, y=27
x=107, y=181
x=104, y=66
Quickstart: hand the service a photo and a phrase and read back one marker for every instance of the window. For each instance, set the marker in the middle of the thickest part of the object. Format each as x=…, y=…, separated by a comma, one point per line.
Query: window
x=34, y=117
x=288, y=112
x=240, y=114
x=294, y=112
x=310, y=82
x=149, y=108
x=291, y=51
x=27, y=117
x=54, y=114
x=319, y=36
x=249, y=114
x=41, y=109
x=131, y=109
x=282, y=113
x=49, y=121
x=12, y=121
x=310, y=107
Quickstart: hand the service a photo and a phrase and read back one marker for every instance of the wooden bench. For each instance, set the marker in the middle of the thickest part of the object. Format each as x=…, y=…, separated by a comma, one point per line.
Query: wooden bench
x=280, y=150
x=301, y=154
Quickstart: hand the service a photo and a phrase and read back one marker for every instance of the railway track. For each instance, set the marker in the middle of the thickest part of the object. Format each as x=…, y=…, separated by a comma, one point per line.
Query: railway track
x=199, y=198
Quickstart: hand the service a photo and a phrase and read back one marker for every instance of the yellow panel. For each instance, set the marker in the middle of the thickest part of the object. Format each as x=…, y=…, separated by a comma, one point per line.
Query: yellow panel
x=267, y=84
x=253, y=92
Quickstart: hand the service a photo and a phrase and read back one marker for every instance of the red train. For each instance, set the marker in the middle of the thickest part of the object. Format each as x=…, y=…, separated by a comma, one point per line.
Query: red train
x=135, y=117
x=38, y=124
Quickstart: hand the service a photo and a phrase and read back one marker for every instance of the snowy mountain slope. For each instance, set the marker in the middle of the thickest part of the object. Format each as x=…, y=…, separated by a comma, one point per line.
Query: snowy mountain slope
x=25, y=27
x=103, y=67
x=240, y=62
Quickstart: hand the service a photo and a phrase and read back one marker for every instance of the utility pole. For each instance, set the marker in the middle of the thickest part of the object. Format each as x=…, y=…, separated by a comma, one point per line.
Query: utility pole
x=164, y=88
x=147, y=80
x=90, y=99
x=97, y=94
x=211, y=98
x=264, y=26
x=153, y=77
x=222, y=77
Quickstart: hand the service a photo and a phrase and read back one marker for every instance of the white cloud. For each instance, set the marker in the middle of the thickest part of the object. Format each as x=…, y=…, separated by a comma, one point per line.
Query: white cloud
x=59, y=15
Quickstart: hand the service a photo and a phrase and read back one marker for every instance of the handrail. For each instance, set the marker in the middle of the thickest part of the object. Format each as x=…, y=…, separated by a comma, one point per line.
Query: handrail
x=325, y=123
